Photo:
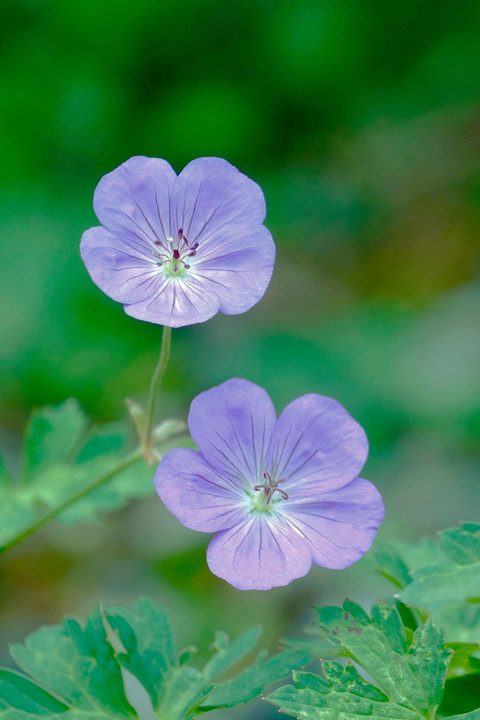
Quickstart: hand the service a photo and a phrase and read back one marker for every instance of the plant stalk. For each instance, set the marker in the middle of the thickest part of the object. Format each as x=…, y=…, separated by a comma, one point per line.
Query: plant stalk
x=146, y=445
x=36, y=524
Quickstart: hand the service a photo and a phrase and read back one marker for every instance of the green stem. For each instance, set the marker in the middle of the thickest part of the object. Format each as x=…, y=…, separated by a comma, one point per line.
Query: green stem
x=36, y=524
x=152, y=393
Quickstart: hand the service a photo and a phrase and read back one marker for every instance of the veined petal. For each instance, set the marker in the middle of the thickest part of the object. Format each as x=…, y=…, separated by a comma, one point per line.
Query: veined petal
x=341, y=527
x=232, y=424
x=199, y=497
x=121, y=270
x=316, y=446
x=259, y=554
x=237, y=267
x=134, y=200
x=176, y=303
x=179, y=250
x=210, y=194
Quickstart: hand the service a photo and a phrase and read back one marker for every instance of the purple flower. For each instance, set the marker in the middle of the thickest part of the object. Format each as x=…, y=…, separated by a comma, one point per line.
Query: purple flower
x=280, y=494
x=177, y=250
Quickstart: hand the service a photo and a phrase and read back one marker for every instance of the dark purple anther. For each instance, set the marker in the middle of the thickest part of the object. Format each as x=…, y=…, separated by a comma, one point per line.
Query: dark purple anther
x=176, y=254
x=271, y=486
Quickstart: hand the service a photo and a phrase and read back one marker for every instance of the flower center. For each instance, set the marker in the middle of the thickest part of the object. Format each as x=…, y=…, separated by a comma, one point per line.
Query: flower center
x=172, y=256
x=262, y=500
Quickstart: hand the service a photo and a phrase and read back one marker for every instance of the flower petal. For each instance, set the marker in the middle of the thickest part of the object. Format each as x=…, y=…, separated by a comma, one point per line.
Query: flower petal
x=259, y=554
x=134, y=200
x=237, y=267
x=176, y=302
x=121, y=270
x=316, y=446
x=232, y=424
x=340, y=528
x=210, y=194
x=196, y=494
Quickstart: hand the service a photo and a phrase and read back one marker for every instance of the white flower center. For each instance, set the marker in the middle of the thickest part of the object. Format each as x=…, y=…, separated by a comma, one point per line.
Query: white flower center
x=264, y=499
x=172, y=256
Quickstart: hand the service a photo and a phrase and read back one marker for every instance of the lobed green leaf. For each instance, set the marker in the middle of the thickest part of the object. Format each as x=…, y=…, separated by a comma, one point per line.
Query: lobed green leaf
x=413, y=675
x=122, y=663
x=62, y=456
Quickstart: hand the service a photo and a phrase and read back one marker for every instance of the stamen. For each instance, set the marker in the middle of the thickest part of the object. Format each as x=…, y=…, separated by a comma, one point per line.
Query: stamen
x=170, y=253
x=270, y=487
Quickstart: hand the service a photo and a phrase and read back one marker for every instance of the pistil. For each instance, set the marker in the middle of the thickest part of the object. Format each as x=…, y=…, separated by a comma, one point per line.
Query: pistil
x=171, y=258
x=271, y=487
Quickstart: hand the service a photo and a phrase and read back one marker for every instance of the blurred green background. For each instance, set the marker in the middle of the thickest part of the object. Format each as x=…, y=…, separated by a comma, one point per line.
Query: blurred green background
x=361, y=123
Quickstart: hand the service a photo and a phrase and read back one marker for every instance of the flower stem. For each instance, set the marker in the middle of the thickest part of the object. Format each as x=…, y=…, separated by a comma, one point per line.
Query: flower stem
x=36, y=524
x=146, y=445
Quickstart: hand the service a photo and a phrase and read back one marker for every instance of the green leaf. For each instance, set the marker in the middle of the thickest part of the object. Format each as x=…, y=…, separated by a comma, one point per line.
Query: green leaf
x=465, y=659
x=341, y=693
x=474, y=715
x=410, y=670
x=251, y=681
x=446, y=587
x=51, y=436
x=413, y=675
x=176, y=688
x=62, y=457
x=395, y=560
x=122, y=663
x=440, y=578
x=78, y=664
x=18, y=693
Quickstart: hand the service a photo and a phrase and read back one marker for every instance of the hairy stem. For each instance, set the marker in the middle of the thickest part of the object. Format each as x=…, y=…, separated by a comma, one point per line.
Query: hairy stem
x=157, y=376
x=39, y=522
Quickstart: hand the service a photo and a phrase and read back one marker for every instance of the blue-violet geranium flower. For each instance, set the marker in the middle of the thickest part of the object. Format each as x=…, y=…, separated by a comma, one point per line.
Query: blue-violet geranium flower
x=177, y=250
x=280, y=494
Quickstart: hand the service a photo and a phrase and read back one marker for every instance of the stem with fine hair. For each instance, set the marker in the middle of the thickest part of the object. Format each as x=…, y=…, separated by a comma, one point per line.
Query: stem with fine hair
x=78, y=495
x=157, y=376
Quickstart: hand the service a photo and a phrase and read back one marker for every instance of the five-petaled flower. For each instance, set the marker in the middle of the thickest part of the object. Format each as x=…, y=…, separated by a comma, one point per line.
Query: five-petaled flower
x=177, y=250
x=280, y=494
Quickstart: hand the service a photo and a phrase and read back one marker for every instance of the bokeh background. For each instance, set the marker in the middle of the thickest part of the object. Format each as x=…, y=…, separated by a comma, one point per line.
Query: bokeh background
x=361, y=122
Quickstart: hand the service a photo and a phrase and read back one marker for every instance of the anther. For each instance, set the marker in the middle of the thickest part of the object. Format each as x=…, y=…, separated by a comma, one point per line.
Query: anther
x=176, y=254
x=270, y=487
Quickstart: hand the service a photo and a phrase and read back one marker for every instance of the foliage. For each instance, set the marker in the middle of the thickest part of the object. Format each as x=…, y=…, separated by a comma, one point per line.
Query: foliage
x=410, y=670
x=62, y=457
x=122, y=663
x=440, y=578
